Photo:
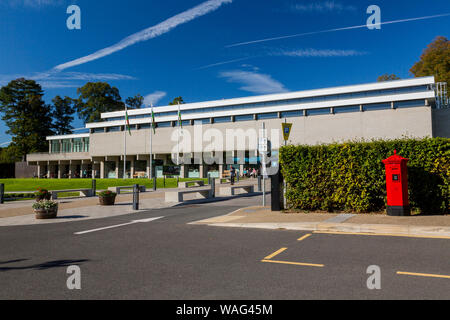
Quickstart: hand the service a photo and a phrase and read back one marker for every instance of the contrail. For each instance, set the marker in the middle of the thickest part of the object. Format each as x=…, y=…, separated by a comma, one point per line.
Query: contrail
x=222, y=63
x=149, y=33
x=334, y=30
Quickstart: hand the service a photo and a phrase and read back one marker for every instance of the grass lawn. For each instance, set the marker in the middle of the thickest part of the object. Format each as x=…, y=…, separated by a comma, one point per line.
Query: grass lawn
x=12, y=185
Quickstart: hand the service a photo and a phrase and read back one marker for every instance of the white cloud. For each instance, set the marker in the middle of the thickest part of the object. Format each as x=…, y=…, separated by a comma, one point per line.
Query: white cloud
x=56, y=80
x=149, y=33
x=320, y=53
x=323, y=6
x=153, y=98
x=34, y=3
x=254, y=82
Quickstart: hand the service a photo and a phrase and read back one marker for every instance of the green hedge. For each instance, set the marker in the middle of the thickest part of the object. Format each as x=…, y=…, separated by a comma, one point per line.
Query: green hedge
x=351, y=176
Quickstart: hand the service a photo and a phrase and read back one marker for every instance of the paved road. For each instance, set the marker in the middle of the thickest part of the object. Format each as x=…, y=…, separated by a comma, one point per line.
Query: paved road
x=170, y=259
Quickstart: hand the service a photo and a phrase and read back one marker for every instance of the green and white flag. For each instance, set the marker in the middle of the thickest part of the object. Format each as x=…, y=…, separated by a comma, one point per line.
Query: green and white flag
x=180, y=123
x=153, y=121
x=127, y=121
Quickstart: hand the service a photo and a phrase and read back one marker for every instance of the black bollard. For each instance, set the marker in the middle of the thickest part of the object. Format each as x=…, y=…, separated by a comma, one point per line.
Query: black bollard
x=213, y=187
x=94, y=187
x=136, y=197
x=276, y=192
x=2, y=193
x=154, y=183
x=259, y=183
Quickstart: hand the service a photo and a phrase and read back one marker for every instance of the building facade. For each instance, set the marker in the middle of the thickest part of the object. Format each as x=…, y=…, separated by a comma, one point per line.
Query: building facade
x=227, y=131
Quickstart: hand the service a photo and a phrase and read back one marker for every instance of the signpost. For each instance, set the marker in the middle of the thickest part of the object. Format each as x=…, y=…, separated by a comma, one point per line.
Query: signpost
x=287, y=128
x=263, y=145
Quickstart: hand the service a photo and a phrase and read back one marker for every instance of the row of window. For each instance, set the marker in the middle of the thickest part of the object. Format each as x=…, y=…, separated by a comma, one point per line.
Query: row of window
x=69, y=145
x=365, y=94
x=276, y=115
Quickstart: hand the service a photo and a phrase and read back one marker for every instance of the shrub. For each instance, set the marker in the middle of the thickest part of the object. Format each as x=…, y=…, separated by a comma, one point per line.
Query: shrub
x=40, y=192
x=107, y=193
x=45, y=204
x=351, y=176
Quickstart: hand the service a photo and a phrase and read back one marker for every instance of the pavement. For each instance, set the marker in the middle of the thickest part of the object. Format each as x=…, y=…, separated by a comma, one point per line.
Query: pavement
x=263, y=218
x=17, y=213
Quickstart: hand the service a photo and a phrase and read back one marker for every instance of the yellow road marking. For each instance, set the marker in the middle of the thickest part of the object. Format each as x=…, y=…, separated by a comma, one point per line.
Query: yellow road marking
x=275, y=254
x=423, y=275
x=304, y=237
x=295, y=263
x=380, y=235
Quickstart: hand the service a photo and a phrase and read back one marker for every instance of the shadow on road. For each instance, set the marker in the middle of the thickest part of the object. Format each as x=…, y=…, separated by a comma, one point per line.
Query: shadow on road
x=43, y=266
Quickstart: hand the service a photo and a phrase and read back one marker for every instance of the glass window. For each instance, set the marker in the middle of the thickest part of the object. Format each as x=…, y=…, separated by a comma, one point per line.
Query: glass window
x=55, y=146
x=409, y=104
x=222, y=119
x=145, y=126
x=164, y=124
x=66, y=146
x=245, y=117
x=114, y=129
x=292, y=114
x=377, y=106
x=273, y=115
x=202, y=121
x=99, y=130
x=77, y=145
x=338, y=110
x=316, y=112
x=86, y=145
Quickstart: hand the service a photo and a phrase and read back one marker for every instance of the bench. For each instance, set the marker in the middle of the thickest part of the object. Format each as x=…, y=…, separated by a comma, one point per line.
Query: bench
x=140, y=174
x=118, y=190
x=178, y=196
x=185, y=184
x=83, y=192
x=231, y=190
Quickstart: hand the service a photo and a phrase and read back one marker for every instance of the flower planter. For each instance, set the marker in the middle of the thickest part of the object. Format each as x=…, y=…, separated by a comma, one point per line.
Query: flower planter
x=43, y=197
x=46, y=214
x=107, y=201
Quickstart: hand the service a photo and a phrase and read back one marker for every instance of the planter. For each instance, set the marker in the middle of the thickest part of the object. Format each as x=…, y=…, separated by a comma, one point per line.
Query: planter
x=43, y=197
x=107, y=201
x=46, y=214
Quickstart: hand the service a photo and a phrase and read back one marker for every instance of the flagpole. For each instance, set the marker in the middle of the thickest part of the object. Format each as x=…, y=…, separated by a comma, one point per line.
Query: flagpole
x=151, y=145
x=179, y=132
x=125, y=144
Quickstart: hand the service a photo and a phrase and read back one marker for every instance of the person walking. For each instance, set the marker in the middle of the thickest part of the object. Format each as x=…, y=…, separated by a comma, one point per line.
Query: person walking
x=232, y=174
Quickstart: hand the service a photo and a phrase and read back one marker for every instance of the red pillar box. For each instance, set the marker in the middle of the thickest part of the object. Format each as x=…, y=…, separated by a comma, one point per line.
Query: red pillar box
x=397, y=185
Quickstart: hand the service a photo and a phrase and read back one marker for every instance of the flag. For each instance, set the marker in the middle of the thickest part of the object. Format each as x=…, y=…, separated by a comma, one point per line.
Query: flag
x=153, y=121
x=127, y=120
x=180, y=123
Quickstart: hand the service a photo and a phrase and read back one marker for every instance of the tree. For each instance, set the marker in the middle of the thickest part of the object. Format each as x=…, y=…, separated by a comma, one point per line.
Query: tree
x=387, y=77
x=9, y=154
x=95, y=98
x=178, y=100
x=63, y=111
x=28, y=118
x=435, y=61
x=135, y=102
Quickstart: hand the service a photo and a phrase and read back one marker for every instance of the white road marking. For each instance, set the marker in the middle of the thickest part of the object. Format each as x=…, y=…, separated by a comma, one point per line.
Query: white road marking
x=119, y=225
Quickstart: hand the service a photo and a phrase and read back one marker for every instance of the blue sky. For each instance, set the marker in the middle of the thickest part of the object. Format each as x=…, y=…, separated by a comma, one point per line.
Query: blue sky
x=186, y=50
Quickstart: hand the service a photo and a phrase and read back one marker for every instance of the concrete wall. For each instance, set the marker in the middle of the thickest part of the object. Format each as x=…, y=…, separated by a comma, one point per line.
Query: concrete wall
x=382, y=124
x=441, y=123
x=23, y=170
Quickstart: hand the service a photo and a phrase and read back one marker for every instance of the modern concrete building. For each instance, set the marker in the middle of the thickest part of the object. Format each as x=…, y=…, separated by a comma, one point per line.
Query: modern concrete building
x=414, y=108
